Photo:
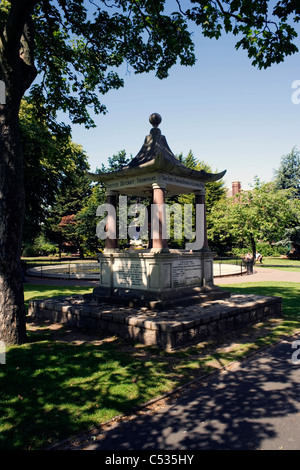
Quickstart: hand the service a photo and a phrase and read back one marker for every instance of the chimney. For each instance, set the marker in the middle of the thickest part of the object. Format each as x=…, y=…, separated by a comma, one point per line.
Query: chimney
x=236, y=188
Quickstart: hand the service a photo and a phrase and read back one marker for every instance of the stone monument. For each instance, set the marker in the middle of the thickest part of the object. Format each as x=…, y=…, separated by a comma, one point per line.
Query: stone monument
x=156, y=296
x=157, y=274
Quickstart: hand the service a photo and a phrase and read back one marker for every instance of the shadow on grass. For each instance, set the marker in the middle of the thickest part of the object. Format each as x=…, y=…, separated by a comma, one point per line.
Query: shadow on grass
x=36, y=291
x=51, y=390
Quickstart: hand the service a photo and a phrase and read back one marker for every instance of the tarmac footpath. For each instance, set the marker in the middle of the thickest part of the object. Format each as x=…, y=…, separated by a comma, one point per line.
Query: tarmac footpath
x=253, y=406
x=261, y=275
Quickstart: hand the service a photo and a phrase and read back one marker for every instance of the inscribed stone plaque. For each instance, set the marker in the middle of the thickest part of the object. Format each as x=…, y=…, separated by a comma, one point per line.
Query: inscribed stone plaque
x=186, y=272
x=129, y=274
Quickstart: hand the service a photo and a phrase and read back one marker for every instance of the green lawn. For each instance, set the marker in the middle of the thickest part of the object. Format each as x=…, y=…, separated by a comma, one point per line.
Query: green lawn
x=52, y=389
x=36, y=291
x=281, y=263
x=275, y=263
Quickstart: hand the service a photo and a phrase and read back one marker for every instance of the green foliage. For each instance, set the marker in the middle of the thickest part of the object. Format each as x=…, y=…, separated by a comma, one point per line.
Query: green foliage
x=288, y=174
x=214, y=192
x=87, y=221
x=86, y=218
x=291, y=241
x=61, y=226
x=263, y=213
x=116, y=162
x=75, y=48
x=4, y=9
x=264, y=29
x=52, y=163
x=80, y=45
x=40, y=247
x=267, y=249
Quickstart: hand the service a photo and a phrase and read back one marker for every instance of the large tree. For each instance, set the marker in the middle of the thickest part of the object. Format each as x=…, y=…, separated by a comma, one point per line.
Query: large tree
x=75, y=189
x=74, y=52
x=74, y=48
x=264, y=213
x=288, y=174
x=52, y=163
x=86, y=218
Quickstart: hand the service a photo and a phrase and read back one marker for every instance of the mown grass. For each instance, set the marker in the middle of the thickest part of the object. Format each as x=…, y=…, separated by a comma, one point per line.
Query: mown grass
x=281, y=263
x=37, y=291
x=52, y=387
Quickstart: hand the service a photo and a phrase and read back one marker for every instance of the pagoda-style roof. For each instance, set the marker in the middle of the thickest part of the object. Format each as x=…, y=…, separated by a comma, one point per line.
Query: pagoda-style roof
x=155, y=156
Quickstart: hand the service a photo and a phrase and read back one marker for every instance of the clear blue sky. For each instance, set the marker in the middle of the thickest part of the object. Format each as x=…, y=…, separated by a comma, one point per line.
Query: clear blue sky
x=228, y=113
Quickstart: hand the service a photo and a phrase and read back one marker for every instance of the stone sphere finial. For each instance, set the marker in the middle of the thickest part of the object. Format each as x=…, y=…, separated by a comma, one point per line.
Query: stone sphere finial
x=155, y=119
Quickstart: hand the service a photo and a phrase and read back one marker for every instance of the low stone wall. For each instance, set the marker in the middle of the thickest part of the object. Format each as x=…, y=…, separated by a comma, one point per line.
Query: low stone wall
x=176, y=328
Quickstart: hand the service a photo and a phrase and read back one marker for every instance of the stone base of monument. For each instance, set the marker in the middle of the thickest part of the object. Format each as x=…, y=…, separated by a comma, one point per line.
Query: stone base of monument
x=154, y=276
x=176, y=327
x=160, y=301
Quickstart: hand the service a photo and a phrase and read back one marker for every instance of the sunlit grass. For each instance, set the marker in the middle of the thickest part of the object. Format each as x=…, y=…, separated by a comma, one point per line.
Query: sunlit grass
x=52, y=389
x=280, y=262
x=36, y=291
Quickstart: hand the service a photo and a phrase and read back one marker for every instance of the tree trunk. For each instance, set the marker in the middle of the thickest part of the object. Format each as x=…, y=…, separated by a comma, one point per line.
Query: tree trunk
x=18, y=72
x=12, y=310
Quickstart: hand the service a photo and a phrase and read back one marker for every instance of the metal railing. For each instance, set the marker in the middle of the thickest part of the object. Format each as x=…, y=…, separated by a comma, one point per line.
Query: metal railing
x=66, y=271
x=230, y=267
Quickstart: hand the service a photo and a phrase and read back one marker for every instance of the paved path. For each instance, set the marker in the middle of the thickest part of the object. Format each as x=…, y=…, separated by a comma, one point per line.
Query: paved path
x=255, y=405
x=261, y=274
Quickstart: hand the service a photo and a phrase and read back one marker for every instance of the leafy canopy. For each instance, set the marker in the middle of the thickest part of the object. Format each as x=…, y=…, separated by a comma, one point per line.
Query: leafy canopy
x=288, y=174
x=264, y=213
x=78, y=46
x=265, y=28
x=51, y=163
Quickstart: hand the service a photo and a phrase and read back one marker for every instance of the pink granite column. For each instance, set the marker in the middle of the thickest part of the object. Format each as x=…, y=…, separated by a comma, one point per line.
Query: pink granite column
x=200, y=199
x=158, y=218
x=111, y=241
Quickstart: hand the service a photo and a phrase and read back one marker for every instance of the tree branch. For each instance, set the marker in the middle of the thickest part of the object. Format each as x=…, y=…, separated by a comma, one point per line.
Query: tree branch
x=17, y=17
x=242, y=19
x=17, y=48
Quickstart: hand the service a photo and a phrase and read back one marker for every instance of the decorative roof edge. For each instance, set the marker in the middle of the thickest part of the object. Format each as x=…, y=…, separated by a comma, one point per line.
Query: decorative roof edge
x=155, y=155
